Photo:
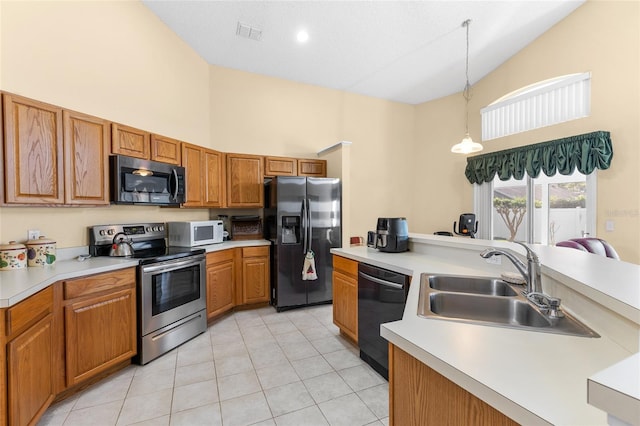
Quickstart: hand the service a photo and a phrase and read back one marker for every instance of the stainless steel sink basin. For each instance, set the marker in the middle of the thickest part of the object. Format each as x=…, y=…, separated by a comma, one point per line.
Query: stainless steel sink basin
x=490, y=302
x=499, y=310
x=474, y=285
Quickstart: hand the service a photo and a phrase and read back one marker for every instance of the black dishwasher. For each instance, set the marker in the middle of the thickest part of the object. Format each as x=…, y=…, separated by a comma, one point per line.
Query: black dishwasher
x=381, y=298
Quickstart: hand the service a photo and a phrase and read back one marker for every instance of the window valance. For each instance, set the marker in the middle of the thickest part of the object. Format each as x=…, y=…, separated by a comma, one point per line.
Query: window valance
x=584, y=152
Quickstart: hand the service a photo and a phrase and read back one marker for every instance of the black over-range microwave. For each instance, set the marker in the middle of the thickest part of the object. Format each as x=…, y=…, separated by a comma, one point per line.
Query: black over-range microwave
x=137, y=181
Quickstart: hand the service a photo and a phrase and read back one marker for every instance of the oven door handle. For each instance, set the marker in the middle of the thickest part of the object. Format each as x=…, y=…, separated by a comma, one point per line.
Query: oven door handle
x=168, y=267
x=379, y=281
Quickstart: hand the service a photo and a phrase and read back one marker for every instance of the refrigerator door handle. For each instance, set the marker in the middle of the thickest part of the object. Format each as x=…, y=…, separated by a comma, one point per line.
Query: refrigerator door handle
x=304, y=226
x=309, y=226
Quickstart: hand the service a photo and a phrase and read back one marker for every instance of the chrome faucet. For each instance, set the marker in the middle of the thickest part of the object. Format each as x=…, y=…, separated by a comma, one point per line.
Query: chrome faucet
x=530, y=272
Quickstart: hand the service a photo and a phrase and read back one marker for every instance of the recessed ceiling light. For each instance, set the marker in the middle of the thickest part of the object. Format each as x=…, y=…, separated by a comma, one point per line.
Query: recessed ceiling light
x=302, y=36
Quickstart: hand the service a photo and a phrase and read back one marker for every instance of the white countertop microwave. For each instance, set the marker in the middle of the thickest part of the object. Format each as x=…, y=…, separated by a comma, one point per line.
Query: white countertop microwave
x=195, y=233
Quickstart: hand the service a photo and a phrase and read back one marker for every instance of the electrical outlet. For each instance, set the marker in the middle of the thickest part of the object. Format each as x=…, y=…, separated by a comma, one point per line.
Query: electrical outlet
x=33, y=234
x=494, y=260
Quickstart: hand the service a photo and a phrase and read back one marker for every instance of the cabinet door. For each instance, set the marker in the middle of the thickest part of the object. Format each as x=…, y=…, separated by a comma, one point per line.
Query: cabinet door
x=421, y=396
x=314, y=168
x=244, y=181
x=30, y=373
x=220, y=288
x=33, y=152
x=130, y=141
x=192, y=163
x=86, y=148
x=100, y=332
x=280, y=166
x=345, y=304
x=165, y=149
x=255, y=278
x=214, y=178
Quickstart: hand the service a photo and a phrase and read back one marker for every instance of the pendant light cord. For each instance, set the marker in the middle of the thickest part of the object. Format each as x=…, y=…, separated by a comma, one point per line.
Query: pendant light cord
x=466, y=93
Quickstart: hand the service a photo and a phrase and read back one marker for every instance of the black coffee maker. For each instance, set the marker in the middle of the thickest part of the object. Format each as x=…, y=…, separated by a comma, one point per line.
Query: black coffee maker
x=468, y=225
x=391, y=235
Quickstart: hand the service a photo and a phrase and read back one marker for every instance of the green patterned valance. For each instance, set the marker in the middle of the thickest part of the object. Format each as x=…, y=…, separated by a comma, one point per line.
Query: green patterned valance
x=584, y=152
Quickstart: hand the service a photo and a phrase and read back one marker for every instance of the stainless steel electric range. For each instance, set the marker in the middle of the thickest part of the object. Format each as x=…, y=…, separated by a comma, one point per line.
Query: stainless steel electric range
x=171, y=286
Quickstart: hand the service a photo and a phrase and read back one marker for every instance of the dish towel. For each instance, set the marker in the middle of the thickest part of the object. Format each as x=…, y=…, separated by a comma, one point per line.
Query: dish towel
x=309, y=267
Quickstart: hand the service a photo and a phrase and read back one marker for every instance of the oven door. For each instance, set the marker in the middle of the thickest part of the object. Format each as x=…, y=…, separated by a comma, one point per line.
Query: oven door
x=170, y=291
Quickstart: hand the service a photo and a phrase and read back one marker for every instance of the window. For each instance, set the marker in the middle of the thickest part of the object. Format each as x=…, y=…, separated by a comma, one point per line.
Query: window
x=544, y=210
x=538, y=105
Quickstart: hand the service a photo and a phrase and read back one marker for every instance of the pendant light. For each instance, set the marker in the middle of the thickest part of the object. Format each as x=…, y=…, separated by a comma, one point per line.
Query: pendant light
x=467, y=145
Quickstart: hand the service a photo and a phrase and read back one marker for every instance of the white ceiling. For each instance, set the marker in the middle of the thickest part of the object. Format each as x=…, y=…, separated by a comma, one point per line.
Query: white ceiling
x=405, y=51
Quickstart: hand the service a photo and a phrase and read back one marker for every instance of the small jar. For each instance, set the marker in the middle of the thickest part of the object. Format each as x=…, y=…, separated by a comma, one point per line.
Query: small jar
x=41, y=252
x=12, y=256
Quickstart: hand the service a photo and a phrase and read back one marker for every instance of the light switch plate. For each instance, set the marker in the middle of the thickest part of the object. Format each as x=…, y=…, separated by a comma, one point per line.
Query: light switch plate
x=33, y=234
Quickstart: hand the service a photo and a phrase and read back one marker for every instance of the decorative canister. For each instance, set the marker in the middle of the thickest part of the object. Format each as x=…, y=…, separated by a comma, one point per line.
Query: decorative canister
x=41, y=252
x=12, y=256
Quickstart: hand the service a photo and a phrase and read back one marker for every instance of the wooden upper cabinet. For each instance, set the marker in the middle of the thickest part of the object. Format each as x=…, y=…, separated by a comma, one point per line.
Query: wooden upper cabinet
x=313, y=168
x=130, y=141
x=193, y=163
x=244, y=180
x=86, y=152
x=280, y=166
x=165, y=149
x=33, y=151
x=214, y=178
x=204, y=170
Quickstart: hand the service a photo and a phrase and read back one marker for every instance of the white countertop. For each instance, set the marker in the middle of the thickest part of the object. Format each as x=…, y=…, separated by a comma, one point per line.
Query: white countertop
x=17, y=285
x=234, y=244
x=532, y=377
x=617, y=390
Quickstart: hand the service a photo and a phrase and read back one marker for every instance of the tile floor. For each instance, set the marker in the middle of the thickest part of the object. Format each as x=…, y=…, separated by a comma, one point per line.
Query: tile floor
x=256, y=367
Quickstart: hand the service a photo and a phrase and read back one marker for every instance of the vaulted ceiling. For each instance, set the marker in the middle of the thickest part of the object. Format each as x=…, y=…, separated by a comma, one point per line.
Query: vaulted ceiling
x=405, y=51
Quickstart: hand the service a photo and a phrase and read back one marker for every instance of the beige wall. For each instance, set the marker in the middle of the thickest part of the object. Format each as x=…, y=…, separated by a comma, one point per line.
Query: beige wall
x=602, y=38
x=252, y=113
x=139, y=73
x=115, y=60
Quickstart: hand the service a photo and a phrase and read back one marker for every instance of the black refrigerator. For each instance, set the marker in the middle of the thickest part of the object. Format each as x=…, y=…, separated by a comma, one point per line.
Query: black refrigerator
x=302, y=221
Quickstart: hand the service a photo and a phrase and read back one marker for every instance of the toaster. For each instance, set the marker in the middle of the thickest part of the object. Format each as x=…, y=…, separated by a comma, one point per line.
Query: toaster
x=391, y=235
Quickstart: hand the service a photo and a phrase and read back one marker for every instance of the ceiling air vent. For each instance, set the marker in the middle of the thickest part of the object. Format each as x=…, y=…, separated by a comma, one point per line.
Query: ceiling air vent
x=247, y=31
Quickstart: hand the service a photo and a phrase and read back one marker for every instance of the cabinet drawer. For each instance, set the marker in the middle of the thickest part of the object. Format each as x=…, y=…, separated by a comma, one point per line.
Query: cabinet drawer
x=348, y=266
x=255, y=251
x=30, y=310
x=97, y=283
x=219, y=256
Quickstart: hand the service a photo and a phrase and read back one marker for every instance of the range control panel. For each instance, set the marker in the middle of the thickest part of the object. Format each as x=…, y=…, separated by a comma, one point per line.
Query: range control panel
x=104, y=234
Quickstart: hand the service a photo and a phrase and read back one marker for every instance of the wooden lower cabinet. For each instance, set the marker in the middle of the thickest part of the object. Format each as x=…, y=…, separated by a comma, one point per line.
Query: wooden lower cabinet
x=255, y=275
x=345, y=296
x=418, y=396
x=237, y=277
x=29, y=372
x=221, y=278
x=99, y=323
